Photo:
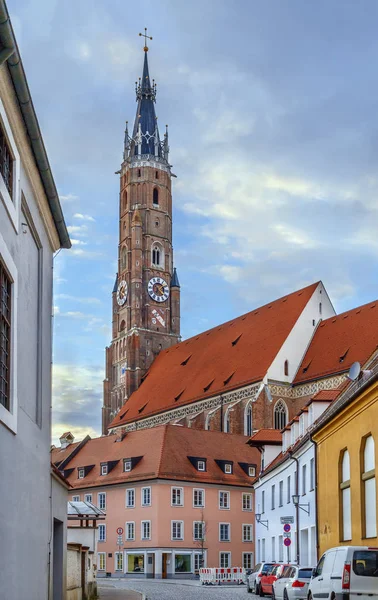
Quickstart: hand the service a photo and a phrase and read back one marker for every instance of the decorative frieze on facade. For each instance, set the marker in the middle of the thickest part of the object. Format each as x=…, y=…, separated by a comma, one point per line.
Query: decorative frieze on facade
x=307, y=389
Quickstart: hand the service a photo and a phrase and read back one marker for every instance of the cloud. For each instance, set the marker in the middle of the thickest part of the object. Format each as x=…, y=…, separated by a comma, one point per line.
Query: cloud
x=78, y=242
x=68, y=198
x=78, y=229
x=83, y=217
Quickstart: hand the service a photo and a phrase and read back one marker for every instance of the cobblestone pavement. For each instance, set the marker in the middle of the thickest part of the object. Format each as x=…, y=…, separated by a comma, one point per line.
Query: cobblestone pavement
x=173, y=590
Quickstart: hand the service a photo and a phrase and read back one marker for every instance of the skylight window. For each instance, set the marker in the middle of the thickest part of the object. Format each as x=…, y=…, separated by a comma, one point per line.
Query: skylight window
x=343, y=356
x=226, y=381
x=140, y=410
x=185, y=362
x=236, y=340
x=179, y=395
x=208, y=386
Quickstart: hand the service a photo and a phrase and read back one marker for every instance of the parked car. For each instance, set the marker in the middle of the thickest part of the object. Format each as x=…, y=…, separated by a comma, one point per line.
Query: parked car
x=293, y=583
x=266, y=581
x=346, y=572
x=253, y=579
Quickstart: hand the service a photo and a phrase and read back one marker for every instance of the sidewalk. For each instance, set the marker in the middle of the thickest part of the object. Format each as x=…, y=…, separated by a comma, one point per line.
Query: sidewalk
x=112, y=593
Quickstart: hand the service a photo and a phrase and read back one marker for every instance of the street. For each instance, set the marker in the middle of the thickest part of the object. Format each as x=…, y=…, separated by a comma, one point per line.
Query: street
x=169, y=590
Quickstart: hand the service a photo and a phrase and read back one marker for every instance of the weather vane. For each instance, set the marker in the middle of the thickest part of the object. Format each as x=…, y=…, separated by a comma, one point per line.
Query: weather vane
x=146, y=37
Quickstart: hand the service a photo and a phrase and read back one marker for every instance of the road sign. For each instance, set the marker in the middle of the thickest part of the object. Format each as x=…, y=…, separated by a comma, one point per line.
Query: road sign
x=287, y=541
x=287, y=527
x=119, y=540
x=287, y=520
x=120, y=530
x=287, y=535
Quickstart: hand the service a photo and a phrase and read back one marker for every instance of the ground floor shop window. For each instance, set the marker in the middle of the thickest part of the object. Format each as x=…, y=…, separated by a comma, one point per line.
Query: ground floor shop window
x=183, y=563
x=135, y=563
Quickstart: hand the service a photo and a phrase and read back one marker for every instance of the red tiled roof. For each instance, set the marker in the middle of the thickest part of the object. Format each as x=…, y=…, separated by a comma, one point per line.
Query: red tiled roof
x=339, y=342
x=325, y=396
x=266, y=436
x=226, y=357
x=60, y=454
x=166, y=457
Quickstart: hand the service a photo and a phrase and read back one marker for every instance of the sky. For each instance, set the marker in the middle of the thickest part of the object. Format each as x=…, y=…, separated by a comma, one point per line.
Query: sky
x=272, y=108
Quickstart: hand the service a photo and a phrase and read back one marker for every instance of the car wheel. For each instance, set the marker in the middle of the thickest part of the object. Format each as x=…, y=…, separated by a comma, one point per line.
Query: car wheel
x=309, y=597
x=249, y=590
x=285, y=596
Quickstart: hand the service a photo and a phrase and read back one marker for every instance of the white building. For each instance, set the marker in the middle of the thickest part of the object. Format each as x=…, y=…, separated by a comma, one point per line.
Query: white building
x=32, y=229
x=285, y=490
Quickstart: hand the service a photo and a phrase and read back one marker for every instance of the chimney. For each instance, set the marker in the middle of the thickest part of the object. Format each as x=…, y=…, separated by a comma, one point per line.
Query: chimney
x=66, y=439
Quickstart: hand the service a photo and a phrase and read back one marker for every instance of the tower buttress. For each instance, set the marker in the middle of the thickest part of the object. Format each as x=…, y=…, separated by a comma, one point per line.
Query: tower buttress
x=146, y=295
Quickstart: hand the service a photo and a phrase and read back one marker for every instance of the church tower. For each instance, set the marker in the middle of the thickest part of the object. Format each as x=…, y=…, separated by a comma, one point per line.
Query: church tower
x=146, y=293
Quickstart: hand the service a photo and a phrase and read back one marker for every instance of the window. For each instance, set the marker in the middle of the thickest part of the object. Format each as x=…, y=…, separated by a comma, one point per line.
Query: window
x=248, y=420
x=224, y=500
x=198, y=530
x=280, y=415
x=312, y=474
x=146, y=530
x=251, y=471
x=247, y=502
x=199, y=561
x=228, y=469
x=225, y=560
x=155, y=196
x=139, y=173
x=273, y=497
x=177, y=530
x=104, y=469
x=75, y=498
x=146, y=496
x=247, y=560
x=6, y=162
x=226, y=424
x=304, y=476
x=88, y=497
x=280, y=548
x=130, y=498
x=201, y=465
x=273, y=549
x=369, y=497
x=156, y=256
x=118, y=560
x=259, y=550
x=5, y=333
x=80, y=473
x=224, y=532
x=135, y=563
x=263, y=550
x=102, y=533
x=263, y=501
x=320, y=308
x=177, y=496
x=280, y=494
x=198, y=498
x=183, y=563
x=345, y=500
x=247, y=533
x=156, y=174
x=288, y=490
x=101, y=561
x=130, y=530
x=286, y=368
x=127, y=465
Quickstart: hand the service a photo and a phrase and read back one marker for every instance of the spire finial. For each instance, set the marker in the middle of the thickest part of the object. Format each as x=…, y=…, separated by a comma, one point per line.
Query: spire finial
x=146, y=37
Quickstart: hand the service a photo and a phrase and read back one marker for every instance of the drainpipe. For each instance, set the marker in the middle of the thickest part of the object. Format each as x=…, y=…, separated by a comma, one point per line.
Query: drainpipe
x=316, y=496
x=221, y=414
x=297, y=507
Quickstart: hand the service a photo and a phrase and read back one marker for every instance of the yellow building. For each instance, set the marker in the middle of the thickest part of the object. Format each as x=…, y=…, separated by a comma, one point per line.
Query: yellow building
x=347, y=447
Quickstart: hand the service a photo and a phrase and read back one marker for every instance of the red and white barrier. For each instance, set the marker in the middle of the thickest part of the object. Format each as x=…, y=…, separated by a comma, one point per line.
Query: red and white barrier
x=219, y=575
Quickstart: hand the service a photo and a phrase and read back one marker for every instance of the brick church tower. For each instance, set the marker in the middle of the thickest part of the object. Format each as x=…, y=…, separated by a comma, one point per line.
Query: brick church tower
x=146, y=293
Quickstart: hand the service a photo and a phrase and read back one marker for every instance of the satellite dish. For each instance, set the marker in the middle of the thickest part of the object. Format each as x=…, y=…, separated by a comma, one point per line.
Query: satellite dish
x=354, y=371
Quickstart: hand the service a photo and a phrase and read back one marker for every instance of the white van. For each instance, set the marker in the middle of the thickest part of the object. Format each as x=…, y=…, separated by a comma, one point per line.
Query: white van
x=346, y=573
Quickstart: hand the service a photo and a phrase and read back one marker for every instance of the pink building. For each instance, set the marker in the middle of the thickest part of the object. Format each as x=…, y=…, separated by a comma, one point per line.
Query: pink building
x=181, y=496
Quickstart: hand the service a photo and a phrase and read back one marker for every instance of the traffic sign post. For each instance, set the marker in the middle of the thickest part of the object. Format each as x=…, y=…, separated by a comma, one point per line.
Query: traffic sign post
x=287, y=528
x=120, y=530
x=287, y=533
x=287, y=520
x=287, y=542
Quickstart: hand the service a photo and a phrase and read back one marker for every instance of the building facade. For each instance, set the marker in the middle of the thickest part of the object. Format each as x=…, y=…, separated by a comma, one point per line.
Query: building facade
x=183, y=502
x=146, y=294
x=346, y=441
x=32, y=228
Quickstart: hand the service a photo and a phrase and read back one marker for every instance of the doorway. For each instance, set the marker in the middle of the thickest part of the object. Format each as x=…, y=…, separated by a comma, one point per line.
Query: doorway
x=164, y=566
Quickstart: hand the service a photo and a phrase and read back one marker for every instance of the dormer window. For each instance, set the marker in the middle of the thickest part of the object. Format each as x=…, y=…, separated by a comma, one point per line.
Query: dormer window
x=228, y=468
x=201, y=465
x=127, y=465
x=104, y=469
x=81, y=473
x=252, y=471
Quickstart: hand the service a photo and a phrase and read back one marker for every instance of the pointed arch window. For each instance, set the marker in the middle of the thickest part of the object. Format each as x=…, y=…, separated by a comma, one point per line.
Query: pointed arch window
x=248, y=420
x=157, y=255
x=344, y=498
x=368, y=488
x=124, y=258
x=226, y=424
x=155, y=196
x=280, y=415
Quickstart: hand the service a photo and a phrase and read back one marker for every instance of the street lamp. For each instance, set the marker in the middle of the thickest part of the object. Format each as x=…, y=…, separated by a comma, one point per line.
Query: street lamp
x=258, y=519
x=301, y=506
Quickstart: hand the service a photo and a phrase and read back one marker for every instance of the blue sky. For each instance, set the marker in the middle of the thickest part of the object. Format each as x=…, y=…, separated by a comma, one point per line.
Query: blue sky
x=272, y=109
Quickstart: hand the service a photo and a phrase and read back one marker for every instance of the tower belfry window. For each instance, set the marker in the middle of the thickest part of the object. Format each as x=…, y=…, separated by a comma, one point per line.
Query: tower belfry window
x=155, y=196
x=156, y=256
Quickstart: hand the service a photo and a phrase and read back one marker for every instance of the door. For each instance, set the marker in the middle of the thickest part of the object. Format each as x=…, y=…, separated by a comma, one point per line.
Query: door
x=164, y=566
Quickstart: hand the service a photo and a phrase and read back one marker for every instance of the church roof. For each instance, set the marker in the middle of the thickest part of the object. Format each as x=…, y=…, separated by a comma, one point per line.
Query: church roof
x=230, y=356
x=145, y=114
x=339, y=342
x=175, y=281
x=170, y=456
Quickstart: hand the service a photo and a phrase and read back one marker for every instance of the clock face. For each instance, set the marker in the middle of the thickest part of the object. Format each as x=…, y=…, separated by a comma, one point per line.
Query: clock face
x=158, y=289
x=122, y=292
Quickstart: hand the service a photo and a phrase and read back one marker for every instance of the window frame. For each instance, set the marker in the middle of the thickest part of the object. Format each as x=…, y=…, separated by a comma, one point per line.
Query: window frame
x=228, y=554
x=99, y=556
x=127, y=462
x=224, y=525
x=203, y=498
x=12, y=203
x=244, y=555
x=130, y=525
x=247, y=495
x=176, y=521
x=201, y=462
x=344, y=485
x=8, y=415
x=128, y=491
x=250, y=529
x=103, y=469
x=280, y=492
x=304, y=480
x=227, y=493
x=181, y=493
x=103, y=495
x=86, y=498
x=203, y=532
x=101, y=527
x=75, y=499
x=118, y=555
x=142, y=500
x=228, y=468
x=367, y=476
x=80, y=473
x=142, y=524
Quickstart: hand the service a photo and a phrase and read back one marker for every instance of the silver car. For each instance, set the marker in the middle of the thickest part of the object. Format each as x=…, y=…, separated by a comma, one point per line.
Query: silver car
x=253, y=579
x=293, y=584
